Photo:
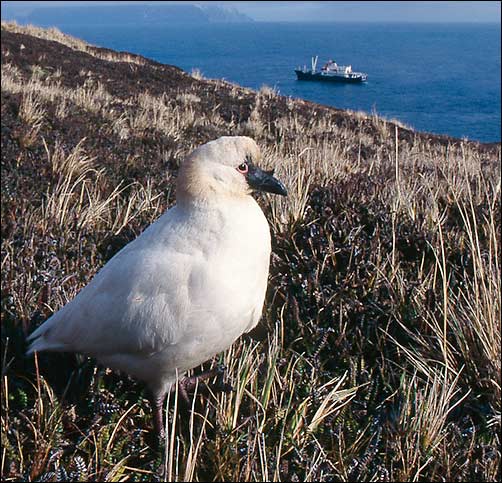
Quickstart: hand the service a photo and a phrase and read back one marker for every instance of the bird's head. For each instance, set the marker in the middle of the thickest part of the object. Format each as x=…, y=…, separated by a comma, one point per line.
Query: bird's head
x=227, y=166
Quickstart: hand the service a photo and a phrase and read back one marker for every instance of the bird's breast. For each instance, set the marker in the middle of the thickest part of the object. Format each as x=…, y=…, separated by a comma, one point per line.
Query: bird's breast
x=228, y=284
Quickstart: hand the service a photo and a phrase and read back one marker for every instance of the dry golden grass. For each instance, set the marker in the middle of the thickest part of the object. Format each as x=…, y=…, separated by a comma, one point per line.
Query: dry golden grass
x=197, y=74
x=48, y=34
x=56, y=35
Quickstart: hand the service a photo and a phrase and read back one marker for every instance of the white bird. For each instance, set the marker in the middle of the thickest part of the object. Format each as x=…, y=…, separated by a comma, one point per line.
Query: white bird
x=188, y=286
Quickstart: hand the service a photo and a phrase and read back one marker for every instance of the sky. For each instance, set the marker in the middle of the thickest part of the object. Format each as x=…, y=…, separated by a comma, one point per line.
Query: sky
x=353, y=11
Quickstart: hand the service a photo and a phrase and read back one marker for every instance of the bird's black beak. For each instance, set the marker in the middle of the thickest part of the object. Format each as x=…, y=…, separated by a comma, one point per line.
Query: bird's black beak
x=261, y=180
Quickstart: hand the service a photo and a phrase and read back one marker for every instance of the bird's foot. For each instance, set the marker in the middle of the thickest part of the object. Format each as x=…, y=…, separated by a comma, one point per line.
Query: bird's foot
x=188, y=384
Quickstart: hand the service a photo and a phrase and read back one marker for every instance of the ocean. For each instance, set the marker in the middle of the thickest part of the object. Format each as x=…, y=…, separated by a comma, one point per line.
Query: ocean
x=439, y=78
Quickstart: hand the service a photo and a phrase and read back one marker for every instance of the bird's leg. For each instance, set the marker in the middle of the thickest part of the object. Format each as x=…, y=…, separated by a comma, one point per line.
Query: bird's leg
x=185, y=385
x=158, y=420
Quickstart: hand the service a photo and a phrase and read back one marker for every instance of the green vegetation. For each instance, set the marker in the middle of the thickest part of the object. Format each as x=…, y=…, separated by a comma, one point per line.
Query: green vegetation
x=379, y=354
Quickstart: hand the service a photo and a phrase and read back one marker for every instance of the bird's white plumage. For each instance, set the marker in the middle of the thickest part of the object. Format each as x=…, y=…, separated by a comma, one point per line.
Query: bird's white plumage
x=186, y=288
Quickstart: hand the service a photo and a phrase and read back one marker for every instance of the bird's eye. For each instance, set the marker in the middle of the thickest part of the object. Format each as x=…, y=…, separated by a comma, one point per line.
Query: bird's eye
x=242, y=168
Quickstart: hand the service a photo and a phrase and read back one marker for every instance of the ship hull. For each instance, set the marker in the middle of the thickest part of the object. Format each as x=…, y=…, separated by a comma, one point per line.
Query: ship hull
x=301, y=75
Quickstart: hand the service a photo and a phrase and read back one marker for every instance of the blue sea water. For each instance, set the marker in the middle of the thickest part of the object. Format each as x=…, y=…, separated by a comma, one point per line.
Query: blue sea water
x=440, y=78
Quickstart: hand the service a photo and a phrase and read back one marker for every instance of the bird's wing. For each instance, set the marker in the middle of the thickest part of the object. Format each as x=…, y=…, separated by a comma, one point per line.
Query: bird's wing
x=127, y=307
x=136, y=303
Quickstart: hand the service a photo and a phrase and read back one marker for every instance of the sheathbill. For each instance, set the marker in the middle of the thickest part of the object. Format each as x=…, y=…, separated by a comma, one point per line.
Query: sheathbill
x=188, y=286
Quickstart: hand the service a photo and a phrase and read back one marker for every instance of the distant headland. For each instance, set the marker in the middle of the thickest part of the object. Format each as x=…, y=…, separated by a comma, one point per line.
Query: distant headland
x=139, y=14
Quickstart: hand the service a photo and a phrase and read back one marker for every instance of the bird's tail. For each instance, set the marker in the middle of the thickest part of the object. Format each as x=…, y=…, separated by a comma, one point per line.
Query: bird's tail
x=40, y=341
x=41, y=344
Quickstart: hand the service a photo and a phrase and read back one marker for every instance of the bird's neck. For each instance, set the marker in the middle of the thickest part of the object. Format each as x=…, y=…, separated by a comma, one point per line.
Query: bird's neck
x=194, y=187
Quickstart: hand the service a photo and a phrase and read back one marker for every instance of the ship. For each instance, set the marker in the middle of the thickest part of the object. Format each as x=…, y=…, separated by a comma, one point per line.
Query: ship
x=330, y=72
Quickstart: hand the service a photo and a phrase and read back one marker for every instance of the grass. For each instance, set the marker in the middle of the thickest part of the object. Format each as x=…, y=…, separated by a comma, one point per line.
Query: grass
x=379, y=352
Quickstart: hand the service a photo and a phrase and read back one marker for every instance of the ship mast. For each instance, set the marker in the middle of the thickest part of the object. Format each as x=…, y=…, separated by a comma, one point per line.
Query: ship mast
x=314, y=64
